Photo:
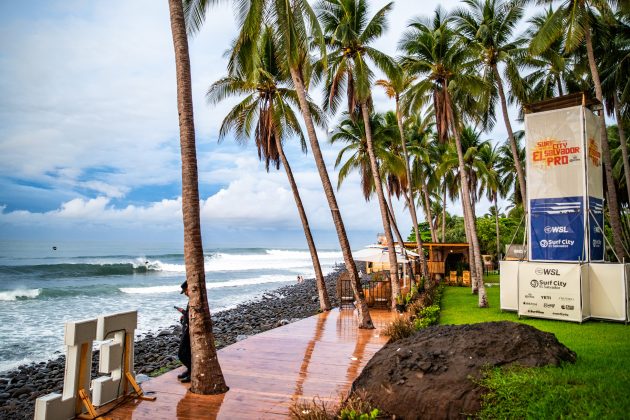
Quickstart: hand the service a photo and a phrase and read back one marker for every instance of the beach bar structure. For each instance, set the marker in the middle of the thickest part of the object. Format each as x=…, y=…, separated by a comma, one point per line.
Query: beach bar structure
x=443, y=257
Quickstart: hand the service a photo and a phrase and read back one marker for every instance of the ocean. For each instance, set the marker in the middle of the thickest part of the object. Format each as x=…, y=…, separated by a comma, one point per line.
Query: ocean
x=44, y=284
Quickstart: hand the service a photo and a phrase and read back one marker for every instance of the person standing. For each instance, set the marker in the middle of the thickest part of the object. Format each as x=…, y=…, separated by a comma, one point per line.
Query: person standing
x=184, y=352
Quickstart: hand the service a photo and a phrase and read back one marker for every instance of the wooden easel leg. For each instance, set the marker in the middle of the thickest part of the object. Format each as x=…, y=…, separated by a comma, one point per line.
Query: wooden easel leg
x=136, y=387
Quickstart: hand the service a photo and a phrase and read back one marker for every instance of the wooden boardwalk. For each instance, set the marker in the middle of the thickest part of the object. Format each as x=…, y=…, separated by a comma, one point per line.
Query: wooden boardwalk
x=317, y=356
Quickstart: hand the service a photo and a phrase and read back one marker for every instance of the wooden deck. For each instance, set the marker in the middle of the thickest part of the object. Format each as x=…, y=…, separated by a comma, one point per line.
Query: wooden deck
x=317, y=356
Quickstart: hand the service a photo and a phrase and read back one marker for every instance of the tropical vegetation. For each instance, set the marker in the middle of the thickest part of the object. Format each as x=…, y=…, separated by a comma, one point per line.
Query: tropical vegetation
x=453, y=73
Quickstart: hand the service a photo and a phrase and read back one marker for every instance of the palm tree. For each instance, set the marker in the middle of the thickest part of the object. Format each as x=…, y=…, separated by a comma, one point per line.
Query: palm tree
x=293, y=20
x=491, y=184
x=472, y=145
x=419, y=134
x=575, y=19
x=487, y=26
x=506, y=166
x=352, y=132
x=268, y=104
x=395, y=86
x=206, y=377
x=434, y=53
x=613, y=48
x=348, y=33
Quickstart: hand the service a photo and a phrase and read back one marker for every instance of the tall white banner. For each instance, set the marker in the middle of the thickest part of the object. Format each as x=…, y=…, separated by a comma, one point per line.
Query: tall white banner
x=557, y=184
x=594, y=186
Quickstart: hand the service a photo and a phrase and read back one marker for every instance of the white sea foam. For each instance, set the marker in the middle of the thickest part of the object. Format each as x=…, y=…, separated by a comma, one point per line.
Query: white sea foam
x=19, y=294
x=268, y=278
x=150, y=290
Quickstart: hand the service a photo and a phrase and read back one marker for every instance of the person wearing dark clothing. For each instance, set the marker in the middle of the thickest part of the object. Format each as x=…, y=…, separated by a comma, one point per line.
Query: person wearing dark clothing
x=184, y=352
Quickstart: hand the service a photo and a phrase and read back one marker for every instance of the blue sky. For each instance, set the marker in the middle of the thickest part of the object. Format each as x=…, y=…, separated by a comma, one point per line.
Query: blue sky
x=89, y=144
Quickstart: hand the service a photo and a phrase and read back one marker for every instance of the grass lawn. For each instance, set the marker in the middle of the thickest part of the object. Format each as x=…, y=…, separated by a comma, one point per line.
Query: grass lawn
x=596, y=386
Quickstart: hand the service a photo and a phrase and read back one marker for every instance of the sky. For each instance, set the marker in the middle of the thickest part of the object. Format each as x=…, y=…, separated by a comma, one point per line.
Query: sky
x=89, y=135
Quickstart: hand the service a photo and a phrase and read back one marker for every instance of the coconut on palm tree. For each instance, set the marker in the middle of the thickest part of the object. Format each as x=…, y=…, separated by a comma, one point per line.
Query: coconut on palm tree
x=434, y=53
x=266, y=113
x=206, y=375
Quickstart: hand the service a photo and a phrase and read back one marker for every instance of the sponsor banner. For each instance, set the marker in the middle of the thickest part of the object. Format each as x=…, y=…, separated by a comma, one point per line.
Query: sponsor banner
x=595, y=234
x=555, y=153
x=557, y=229
x=551, y=291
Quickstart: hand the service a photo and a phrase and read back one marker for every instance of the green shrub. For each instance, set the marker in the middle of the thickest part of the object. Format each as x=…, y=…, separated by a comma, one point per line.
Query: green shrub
x=353, y=415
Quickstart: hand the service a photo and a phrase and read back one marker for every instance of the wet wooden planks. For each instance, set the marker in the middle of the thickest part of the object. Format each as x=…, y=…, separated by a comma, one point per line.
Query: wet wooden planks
x=318, y=356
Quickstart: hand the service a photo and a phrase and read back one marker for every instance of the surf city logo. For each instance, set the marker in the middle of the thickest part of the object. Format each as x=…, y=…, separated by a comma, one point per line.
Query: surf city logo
x=550, y=152
x=594, y=154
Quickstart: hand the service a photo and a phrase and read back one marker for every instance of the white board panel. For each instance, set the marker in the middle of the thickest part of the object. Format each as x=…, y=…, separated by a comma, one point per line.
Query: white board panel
x=550, y=290
x=608, y=291
x=508, y=280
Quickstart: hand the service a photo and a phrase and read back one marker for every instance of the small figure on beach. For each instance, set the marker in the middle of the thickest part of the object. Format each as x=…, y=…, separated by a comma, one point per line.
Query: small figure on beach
x=184, y=352
x=300, y=279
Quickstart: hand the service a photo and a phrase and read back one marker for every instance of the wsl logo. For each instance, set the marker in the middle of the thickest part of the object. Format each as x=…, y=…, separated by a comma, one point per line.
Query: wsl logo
x=547, y=271
x=556, y=229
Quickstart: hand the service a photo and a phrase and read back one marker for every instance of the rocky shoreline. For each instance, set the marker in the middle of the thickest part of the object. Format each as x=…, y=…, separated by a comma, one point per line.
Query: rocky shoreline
x=156, y=353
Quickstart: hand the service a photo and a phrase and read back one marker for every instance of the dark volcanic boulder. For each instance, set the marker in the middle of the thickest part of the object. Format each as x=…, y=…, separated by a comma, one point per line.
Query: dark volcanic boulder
x=431, y=374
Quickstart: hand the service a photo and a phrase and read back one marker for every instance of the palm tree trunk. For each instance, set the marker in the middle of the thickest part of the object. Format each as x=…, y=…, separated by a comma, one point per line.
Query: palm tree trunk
x=392, y=218
x=427, y=204
x=206, y=377
x=613, y=203
x=559, y=83
x=483, y=300
x=393, y=264
x=623, y=142
x=324, y=301
x=444, y=214
x=412, y=205
x=363, y=313
x=508, y=126
x=496, y=224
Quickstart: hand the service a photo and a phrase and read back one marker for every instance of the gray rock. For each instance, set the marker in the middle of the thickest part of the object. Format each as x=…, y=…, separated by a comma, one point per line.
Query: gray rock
x=241, y=337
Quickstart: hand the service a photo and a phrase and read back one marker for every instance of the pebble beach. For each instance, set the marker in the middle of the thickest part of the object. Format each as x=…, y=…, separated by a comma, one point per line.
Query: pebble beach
x=157, y=352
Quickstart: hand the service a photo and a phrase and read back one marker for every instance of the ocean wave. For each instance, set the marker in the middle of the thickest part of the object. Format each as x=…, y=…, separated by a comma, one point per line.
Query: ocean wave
x=19, y=294
x=275, y=259
x=267, y=278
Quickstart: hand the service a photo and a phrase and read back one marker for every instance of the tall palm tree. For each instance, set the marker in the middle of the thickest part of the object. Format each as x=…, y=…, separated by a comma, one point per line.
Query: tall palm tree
x=506, y=166
x=348, y=33
x=472, y=146
x=268, y=105
x=491, y=184
x=613, y=49
x=206, y=377
x=294, y=21
x=575, y=19
x=395, y=86
x=487, y=26
x=419, y=133
x=434, y=53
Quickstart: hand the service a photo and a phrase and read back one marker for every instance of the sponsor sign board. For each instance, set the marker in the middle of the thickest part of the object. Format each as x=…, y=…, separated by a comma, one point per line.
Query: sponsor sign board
x=565, y=185
x=557, y=229
x=551, y=291
x=508, y=279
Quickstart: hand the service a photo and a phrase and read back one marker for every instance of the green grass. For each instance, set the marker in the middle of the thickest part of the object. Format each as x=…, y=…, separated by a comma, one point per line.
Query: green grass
x=491, y=278
x=596, y=386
